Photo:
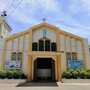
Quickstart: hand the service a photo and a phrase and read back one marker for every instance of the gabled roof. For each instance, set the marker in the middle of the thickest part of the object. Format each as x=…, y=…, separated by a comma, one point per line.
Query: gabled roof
x=45, y=25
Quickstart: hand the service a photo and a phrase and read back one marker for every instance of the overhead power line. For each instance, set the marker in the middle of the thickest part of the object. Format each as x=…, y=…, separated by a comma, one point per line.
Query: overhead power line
x=8, y=7
x=11, y=7
x=15, y=7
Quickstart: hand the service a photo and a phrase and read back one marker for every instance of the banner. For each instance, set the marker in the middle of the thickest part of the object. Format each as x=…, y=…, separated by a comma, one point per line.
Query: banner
x=75, y=63
x=13, y=64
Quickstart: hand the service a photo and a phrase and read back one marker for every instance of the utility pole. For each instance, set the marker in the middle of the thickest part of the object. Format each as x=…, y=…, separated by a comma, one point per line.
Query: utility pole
x=4, y=13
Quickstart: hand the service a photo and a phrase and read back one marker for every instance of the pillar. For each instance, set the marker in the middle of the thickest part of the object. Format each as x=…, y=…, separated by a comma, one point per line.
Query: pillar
x=56, y=77
x=59, y=67
x=29, y=67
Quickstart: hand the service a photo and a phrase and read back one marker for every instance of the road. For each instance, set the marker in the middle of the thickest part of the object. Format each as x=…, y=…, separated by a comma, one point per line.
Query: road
x=60, y=86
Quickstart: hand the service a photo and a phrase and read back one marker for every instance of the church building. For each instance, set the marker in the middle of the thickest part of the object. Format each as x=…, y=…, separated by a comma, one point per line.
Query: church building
x=44, y=51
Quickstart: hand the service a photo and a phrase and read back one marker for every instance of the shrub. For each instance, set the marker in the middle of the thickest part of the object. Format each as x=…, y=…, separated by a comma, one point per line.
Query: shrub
x=2, y=74
x=83, y=74
x=88, y=74
x=18, y=74
x=12, y=74
x=9, y=74
x=76, y=73
x=67, y=75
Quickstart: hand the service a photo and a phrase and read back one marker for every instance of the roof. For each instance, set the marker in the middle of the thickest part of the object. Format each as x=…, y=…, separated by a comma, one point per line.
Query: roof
x=46, y=25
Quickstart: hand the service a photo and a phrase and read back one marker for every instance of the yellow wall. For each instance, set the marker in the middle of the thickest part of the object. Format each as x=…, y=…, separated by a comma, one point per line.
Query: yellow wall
x=62, y=40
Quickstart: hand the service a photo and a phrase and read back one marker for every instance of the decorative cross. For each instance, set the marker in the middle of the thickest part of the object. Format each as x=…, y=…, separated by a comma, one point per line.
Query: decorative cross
x=44, y=19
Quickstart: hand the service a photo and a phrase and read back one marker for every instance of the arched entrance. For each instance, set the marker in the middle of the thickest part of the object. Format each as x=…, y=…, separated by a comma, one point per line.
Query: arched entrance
x=44, y=69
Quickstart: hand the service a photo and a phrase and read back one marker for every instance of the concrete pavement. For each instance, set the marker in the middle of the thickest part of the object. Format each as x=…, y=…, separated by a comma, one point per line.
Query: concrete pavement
x=61, y=86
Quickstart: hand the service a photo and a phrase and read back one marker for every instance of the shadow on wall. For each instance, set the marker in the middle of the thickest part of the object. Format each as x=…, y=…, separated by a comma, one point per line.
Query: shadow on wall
x=42, y=83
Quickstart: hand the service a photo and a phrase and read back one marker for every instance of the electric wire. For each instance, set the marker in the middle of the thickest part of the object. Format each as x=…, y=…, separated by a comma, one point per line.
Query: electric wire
x=11, y=7
x=20, y=1
x=14, y=8
x=8, y=6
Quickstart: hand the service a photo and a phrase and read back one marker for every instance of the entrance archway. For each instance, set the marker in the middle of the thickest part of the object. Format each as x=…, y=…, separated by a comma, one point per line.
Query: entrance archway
x=44, y=69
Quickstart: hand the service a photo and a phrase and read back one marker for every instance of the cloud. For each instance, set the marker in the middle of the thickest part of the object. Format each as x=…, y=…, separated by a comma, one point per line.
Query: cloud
x=77, y=6
x=86, y=5
x=48, y=5
x=22, y=17
x=34, y=9
x=2, y=6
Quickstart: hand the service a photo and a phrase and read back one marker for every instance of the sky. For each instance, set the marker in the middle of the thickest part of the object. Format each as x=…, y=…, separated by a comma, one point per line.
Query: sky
x=70, y=15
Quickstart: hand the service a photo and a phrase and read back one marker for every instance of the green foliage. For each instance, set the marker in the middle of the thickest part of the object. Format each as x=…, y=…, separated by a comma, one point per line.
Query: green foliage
x=2, y=74
x=9, y=74
x=88, y=74
x=12, y=74
x=67, y=75
x=76, y=73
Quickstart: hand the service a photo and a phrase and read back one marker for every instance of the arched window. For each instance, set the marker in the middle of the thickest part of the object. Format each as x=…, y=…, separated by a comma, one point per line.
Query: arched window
x=35, y=46
x=53, y=46
x=41, y=45
x=44, y=44
x=47, y=45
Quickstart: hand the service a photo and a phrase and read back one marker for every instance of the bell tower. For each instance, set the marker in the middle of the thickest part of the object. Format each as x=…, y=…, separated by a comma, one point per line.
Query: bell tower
x=5, y=30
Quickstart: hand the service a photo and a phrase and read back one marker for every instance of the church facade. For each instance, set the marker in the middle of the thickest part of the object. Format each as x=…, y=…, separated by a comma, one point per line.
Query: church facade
x=44, y=51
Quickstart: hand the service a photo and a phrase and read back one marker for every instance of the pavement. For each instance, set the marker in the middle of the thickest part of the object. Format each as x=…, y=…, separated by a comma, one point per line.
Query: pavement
x=49, y=86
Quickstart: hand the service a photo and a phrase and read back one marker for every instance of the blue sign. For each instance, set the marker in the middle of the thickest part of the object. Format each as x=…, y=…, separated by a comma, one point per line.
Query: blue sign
x=75, y=63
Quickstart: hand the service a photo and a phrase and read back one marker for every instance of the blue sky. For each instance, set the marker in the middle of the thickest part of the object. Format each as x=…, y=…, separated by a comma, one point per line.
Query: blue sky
x=70, y=15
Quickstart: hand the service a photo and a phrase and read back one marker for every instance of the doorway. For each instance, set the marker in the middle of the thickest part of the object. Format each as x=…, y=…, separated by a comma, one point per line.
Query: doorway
x=44, y=69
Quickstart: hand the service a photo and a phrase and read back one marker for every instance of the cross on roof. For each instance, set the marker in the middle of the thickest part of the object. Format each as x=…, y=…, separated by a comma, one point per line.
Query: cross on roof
x=44, y=19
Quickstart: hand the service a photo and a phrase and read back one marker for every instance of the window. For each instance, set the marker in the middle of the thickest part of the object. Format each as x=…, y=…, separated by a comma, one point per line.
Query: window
x=41, y=45
x=19, y=56
x=53, y=46
x=74, y=56
x=71, y=56
x=16, y=56
x=44, y=44
x=35, y=46
x=68, y=56
x=47, y=45
x=13, y=56
x=17, y=59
